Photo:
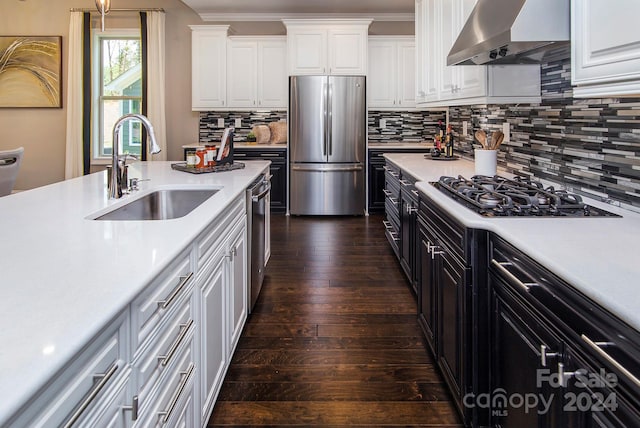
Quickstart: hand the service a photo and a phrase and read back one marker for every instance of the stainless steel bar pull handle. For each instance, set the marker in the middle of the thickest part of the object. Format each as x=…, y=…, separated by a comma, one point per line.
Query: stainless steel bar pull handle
x=325, y=92
x=166, y=415
x=133, y=408
x=93, y=393
x=184, y=329
x=330, y=120
x=597, y=346
x=386, y=192
x=261, y=195
x=164, y=304
x=501, y=267
x=544, y=355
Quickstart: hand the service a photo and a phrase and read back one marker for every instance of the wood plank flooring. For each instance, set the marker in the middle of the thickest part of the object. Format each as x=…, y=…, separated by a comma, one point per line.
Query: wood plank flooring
x=333, y=339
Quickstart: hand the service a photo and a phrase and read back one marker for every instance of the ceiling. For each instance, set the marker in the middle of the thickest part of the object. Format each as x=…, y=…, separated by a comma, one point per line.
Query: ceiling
x=270, y=10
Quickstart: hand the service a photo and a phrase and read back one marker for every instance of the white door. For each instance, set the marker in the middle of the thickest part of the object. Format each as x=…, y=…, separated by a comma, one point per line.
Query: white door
x=605, y=42
x=382, y=74
x=213, y=352
x=348, y=51
x=406, y=90
x=307, y=51
x=421, y=51
x=433, y=65
x=208, y=68
x=272, y=74
x=447, y=14
x=242, y=73
x=473, y=78
x=238, y=287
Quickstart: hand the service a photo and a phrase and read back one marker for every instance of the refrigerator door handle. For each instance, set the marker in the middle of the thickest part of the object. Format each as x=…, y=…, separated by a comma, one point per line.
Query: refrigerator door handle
x=325, y=121
x=329, y=168
x=330, y=119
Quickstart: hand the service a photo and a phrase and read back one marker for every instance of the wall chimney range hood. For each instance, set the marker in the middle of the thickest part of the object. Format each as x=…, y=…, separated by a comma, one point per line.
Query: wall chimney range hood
x=511, y=32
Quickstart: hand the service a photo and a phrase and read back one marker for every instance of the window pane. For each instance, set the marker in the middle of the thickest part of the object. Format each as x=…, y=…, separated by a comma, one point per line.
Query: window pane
x=121, y=67
x=131, y=136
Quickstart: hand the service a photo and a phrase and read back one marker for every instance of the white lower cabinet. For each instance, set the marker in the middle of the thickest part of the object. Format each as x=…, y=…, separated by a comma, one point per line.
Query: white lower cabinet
x=162, y=361
x=223, y=297
x=213, y=352
x=88, y=387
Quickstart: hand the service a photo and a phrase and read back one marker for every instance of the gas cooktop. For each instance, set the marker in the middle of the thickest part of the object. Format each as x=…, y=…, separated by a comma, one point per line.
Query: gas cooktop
x=498, y=196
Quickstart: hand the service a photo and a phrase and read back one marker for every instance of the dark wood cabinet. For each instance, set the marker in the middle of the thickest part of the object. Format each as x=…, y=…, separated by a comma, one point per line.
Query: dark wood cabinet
x=445, y=295
x=376, y=176
x=278, y=169
x=408, y=228
x=551, y=342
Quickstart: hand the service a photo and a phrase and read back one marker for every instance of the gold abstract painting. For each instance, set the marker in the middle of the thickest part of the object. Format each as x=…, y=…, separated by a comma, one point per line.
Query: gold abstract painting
x=30, y=71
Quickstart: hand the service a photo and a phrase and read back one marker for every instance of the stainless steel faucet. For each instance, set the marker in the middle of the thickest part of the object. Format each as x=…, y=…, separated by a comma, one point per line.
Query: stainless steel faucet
x=117, y=164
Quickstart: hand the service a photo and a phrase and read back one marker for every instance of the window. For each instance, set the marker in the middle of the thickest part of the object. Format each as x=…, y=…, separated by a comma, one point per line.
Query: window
x=117, y=90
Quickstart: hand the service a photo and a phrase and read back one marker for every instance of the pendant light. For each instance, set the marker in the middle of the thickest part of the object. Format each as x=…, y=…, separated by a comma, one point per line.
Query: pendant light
x=104, y=6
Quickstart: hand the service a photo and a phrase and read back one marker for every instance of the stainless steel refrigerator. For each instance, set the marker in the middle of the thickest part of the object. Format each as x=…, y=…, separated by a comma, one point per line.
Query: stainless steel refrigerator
x=327, y=150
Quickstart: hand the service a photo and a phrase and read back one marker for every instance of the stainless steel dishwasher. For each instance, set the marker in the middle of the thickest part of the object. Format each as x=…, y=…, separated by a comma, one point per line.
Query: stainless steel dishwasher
x=258, y=212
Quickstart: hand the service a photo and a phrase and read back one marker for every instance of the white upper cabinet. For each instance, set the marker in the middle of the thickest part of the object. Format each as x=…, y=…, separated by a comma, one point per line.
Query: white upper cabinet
x=256, y=72
x=391, y=78
x=208, y=66
x=332, y=47
x=438, y=24
x=605, y=48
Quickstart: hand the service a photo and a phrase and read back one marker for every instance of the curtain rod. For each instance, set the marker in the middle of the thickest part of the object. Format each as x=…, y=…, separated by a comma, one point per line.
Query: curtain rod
x=80, y=9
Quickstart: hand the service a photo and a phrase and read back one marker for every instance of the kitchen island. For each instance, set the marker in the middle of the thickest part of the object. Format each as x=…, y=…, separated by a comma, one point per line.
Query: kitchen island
x=65, y=276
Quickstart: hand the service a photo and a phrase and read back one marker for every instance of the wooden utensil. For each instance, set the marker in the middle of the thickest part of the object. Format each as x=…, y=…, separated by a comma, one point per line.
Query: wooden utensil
x=481, y=136
x=496, y=140
x=499, y=141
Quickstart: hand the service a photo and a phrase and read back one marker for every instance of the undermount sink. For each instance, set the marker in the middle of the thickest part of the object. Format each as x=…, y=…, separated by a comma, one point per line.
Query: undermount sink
x=161, y=205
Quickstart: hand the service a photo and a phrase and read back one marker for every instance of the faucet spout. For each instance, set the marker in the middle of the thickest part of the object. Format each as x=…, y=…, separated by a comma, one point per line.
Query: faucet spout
x=115, y=185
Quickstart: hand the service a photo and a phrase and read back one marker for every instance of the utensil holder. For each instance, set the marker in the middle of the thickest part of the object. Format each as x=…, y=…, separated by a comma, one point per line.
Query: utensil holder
x=486, y=162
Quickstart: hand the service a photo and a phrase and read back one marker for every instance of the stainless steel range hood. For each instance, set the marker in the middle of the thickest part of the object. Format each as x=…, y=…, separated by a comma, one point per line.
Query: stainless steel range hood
x=511, y=32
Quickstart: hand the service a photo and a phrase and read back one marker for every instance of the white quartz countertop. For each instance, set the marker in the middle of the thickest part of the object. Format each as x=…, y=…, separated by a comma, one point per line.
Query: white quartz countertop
x=598, y=256
x=64, y=277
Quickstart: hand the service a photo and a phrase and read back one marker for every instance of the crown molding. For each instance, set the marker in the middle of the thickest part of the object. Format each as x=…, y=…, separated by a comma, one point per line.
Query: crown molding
x=250, y=17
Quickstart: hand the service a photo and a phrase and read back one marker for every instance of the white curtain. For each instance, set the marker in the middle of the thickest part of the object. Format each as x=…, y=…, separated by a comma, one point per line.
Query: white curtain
x=73, y=166
x=155, y=80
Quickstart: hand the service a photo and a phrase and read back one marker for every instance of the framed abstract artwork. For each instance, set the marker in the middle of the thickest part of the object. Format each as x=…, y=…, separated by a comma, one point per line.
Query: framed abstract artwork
x=31, y=71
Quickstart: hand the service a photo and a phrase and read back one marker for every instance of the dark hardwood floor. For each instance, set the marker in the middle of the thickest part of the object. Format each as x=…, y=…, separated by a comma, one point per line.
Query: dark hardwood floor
x=333, y=339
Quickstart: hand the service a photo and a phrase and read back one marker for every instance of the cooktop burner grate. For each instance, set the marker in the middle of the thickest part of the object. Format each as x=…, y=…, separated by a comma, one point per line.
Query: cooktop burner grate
x=520, y=196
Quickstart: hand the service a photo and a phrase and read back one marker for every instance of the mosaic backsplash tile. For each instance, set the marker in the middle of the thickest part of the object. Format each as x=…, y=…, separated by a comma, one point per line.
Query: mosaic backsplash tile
x=589, y=145
x=406, y=126
x=211, y=133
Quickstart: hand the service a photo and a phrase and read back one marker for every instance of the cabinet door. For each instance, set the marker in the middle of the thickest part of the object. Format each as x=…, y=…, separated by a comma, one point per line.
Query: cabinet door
x=208, y=68
x=451, y=282
x=517, y=338
x=432, y=12
x=376, y=187
x=278, y=187
x=213, y=326
x=447, y=14
x=272, y=74
x=242, y=62
x=307, y=51
x=421, y=51
x=382, y=74
x=237, y=283
x=348, y=51
x=600, y=53
x=427, y=294
x=472, y=79
x=406, y=89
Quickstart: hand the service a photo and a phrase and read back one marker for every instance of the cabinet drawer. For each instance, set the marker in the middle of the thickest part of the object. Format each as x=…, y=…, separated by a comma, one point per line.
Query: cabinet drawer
x=164, y=348
x=78, y=392
x=215, y=233
x=172, y=393
x=161, y=298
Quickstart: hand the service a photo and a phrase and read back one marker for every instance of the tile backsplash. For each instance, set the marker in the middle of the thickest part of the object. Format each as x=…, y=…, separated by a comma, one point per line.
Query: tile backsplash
x=406, y=126
x=211, y=133
x=589, y=145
